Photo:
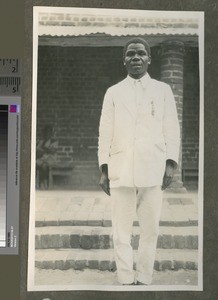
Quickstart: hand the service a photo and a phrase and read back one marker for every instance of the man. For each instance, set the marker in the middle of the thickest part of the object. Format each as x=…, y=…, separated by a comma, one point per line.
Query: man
x=138, y=153
x=46, y=156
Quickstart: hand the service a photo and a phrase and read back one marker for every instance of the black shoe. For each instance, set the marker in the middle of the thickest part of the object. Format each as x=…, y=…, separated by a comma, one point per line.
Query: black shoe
x=140, y=283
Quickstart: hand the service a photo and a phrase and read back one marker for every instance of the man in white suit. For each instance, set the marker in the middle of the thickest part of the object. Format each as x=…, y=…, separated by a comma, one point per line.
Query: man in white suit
x=138, y=153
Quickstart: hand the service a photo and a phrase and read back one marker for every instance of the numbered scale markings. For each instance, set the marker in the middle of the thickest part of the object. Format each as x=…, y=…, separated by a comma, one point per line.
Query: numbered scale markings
x=9, y=85
x=9, y=67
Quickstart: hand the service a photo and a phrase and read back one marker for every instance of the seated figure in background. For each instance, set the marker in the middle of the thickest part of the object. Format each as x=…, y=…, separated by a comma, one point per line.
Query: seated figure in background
x=46, y=156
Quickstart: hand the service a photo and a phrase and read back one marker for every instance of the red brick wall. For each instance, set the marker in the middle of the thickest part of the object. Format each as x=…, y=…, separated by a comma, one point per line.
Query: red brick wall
x=71, y=87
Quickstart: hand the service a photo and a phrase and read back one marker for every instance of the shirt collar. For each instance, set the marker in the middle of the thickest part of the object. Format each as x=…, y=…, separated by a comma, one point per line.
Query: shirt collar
x=144, y=80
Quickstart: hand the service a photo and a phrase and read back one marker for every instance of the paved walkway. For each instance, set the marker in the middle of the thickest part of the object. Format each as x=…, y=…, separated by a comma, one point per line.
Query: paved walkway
x=94, y=208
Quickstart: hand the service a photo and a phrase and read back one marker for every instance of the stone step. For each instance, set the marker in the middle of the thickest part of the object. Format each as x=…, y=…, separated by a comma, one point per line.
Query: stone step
x=78, y=259
x=46, y=220
x=94, y=237
x=103, y=219
x=93, y=209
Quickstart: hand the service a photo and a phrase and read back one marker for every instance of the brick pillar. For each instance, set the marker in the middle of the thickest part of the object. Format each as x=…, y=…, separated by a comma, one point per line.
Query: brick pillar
x=171, y=56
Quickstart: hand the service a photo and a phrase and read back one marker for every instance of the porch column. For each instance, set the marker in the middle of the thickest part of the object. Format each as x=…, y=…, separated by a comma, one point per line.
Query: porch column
x=171, y=56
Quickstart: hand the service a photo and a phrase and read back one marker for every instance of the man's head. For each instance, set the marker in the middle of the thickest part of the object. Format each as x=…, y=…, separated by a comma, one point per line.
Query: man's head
x=136, y=57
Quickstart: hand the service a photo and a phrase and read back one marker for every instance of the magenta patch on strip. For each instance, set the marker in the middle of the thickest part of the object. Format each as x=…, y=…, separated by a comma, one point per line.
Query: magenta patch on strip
x=14, y=108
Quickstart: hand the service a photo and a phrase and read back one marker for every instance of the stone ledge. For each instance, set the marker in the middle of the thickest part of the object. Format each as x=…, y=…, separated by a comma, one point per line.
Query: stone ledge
x=104, y=259
x=101, y=238
x=108, y=223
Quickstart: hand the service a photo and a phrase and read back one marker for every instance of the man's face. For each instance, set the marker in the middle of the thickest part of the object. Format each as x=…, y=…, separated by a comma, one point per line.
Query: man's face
x=136, y=60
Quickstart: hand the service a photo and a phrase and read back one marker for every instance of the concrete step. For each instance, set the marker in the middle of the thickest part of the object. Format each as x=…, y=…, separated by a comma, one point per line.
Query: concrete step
x=78, y=259
x=174, y=217
x=67, y=219
x=94, y=237
x=94, y=209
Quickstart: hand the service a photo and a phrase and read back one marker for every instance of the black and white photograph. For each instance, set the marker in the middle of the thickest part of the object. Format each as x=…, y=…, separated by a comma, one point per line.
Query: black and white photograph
x=116, y=197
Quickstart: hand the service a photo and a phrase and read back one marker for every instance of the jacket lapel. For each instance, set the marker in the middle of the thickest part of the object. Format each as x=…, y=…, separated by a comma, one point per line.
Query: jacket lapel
x=128, y=97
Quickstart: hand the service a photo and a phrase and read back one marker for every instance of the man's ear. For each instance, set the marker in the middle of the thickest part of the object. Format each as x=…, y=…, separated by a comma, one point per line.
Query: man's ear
x=149, y=60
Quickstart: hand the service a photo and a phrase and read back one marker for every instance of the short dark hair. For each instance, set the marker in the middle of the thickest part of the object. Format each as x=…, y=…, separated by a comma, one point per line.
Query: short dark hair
x=137, y=40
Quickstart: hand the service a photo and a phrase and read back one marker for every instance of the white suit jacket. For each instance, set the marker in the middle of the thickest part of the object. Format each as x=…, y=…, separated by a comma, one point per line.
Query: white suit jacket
x=136, y=142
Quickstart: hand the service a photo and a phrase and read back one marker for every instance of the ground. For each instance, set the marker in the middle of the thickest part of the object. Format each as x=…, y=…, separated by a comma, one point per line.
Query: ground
x=97, y=277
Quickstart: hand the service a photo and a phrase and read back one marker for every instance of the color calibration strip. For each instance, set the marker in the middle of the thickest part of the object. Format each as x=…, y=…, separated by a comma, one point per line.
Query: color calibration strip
x=3, y=171
x=9, y=173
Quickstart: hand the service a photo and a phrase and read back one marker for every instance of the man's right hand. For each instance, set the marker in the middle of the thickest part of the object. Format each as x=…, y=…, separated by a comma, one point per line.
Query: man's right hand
x=104, y=184
x=104, y=180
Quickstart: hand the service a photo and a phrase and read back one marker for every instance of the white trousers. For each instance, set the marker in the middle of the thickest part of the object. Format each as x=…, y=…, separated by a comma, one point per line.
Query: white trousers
x=147, y=203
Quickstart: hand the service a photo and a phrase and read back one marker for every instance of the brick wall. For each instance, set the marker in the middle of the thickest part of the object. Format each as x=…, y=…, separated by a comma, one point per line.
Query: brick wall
x=71, y=87
x=190, y=140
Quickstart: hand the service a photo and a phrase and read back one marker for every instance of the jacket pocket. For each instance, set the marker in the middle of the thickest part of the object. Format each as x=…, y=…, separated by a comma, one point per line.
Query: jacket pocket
x=115, y=165
x=115, y=150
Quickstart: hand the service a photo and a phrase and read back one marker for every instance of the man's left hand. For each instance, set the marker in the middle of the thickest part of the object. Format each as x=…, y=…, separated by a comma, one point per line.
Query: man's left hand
x=169, y=172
